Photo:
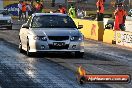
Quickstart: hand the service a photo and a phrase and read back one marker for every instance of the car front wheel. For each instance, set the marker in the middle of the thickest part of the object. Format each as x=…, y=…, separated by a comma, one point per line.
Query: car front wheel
x=20, y=47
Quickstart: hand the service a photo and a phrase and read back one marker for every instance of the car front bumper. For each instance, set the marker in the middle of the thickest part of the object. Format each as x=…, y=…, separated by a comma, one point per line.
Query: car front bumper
x=45, y=46
x=5, y=25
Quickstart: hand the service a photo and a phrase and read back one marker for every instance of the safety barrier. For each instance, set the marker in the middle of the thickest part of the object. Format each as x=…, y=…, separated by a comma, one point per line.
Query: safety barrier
x=91, y=29
x=124, y=38
x=95, y=30
x=108, y=36
x=128, y=25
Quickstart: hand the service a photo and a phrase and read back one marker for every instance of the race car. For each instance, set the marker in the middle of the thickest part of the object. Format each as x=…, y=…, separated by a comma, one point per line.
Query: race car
x=51, y=32
x=5, y=19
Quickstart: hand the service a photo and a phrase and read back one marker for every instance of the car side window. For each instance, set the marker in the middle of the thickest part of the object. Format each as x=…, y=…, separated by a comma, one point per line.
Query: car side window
x=53, y=22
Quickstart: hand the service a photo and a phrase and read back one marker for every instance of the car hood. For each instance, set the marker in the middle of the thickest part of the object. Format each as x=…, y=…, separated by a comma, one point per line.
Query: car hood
x=56, y=32
x=5, y=17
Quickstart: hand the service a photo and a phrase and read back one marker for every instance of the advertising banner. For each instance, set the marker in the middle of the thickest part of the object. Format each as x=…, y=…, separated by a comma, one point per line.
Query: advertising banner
x=12, y=6
x=124, y=38
x=128, y=25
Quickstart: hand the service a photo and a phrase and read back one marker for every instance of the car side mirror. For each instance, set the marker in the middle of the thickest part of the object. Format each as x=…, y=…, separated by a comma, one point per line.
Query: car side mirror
x=80, y=26
x=25, y=26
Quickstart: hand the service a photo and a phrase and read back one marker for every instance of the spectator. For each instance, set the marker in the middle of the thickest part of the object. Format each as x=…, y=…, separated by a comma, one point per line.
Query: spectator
x=39, y=7
x=20, y=10
x=72, y=11
x=100, y=11
x=62, y=9
x=29, y=10
x=120, y=17
x=24, y=9
x=33, y=8
x=80, y=13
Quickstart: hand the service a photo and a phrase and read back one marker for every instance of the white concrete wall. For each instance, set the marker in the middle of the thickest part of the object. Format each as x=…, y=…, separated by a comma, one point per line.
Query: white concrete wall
x=1, y=4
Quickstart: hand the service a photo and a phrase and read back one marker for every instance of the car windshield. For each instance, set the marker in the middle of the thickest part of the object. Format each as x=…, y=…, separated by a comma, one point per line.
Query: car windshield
x=4, y=12
x=53, y=21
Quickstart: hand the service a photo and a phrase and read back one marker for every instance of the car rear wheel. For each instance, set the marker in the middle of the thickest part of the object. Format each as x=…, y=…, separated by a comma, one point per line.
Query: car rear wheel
x=79, y=54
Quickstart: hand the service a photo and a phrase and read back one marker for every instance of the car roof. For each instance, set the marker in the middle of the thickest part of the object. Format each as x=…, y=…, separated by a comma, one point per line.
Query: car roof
x=52, y=14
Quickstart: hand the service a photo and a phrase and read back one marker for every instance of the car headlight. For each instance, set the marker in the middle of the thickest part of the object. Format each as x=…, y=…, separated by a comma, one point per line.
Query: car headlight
x=76, y=38
x=42, y=38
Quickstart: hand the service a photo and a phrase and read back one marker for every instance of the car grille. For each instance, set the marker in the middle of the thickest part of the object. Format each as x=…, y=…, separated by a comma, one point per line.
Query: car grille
x=58, y=38
x=59, y=47
x=3, y=21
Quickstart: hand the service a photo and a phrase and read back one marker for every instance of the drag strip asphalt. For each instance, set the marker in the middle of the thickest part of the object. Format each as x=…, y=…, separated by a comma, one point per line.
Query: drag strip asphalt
x=99, y=58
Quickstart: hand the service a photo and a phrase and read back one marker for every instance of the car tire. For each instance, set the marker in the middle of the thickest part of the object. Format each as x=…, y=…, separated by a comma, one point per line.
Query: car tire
x=20, y=47
x=79, y=54
x=28, y=48
x=9, y=28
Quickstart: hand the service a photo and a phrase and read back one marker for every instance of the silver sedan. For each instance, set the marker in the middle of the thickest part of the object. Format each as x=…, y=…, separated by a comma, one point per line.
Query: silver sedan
x=5, y=19
x=51, y=32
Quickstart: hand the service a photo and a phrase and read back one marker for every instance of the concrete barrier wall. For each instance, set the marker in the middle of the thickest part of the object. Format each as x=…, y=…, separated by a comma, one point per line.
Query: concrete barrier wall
x=91, y=29
x=124, y=38
x=95, y=30
x=108, y=36
x=128, y=25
